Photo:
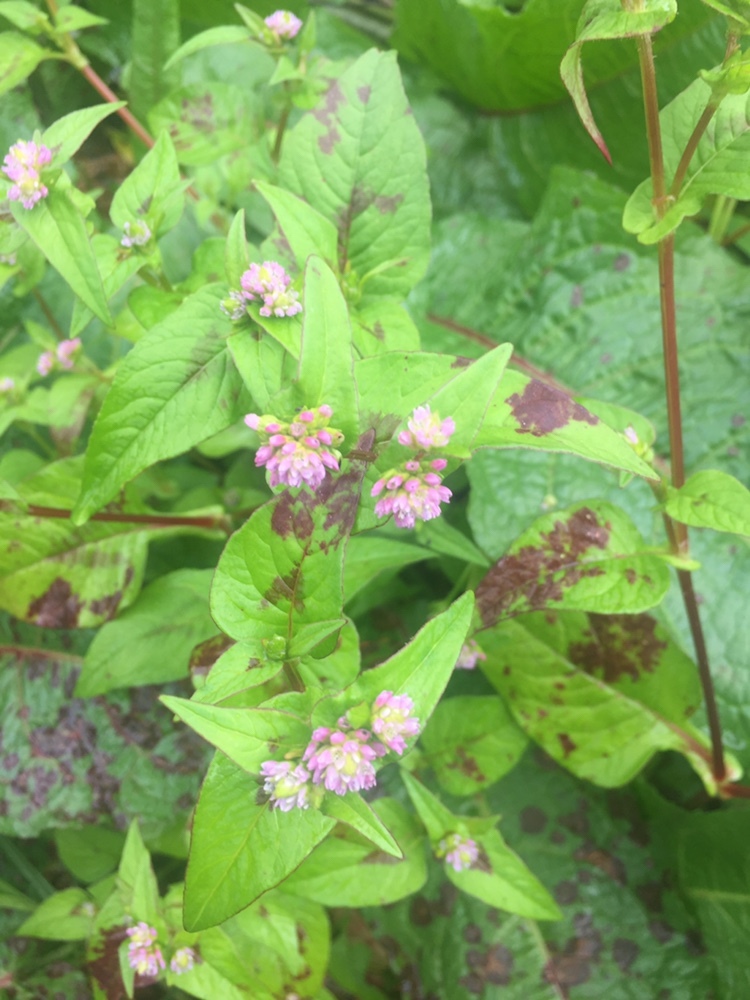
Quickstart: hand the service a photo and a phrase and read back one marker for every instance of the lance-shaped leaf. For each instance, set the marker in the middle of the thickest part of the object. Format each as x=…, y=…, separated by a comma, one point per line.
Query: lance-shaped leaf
x=589, y=557
x=226, y=34
x=264, y=364
x=65, y=136
x=280, y=576
x=711, y=499
x=305, y=230
x=258, y=847
x=57, y=227
x=603, y=20
x=153, y=192
x=601, y=701
x=325, y=364
x=19, y=57
x=176, y=388
x=155, y=36
x=136, y=879
x=719, y=165
x=60, y=917
x=358, y=158
x=356, y=813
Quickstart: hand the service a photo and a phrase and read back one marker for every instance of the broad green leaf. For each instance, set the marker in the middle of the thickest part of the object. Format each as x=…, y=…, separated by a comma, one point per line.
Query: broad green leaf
x=248, y=736
x=90, y=852
x=382, y=325
x=369, y=555
x=719, y=165
x=152, y=192
x=280, y=575
x=207, y=120
x=155, y=36
x=19, y=57
x=151, y=642
x=357, y=814
x=604, y=20
x=711, y=499
x=136, y=879
x=358, y=159
x=65, y=136
x=58, y=229
x=237, y=669
x=178, y=387
x=305, y=230
x=226, y=34
x=258, y=848
x=12, y=898
x=599, y=731
x=117, y=266
x=61, y=917
x=345, y=871
x=72, y=18
x=325, y=364
x=589, y=557
x=471, y=742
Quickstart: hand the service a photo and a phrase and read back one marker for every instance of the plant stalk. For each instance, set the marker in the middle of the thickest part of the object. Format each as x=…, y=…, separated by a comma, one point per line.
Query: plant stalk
x=158, y=520
x=692, y=144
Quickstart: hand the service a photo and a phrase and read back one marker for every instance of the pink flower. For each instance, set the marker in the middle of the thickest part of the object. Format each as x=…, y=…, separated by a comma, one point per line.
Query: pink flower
x=427, y=430
x=136, y=234
x=470, y=655
x=298, y=453
x=412, y=493
x=288, y=786
x=269, y=282
x=233, y=306
x=283, y=24
x=45, y=363
x=67, y=350
x=7, y=385
x=9, y=259
x=460, y=852
x=392, y=720
x=143, y=954
x=341, y=761
x=22, y=164
x=183, y=960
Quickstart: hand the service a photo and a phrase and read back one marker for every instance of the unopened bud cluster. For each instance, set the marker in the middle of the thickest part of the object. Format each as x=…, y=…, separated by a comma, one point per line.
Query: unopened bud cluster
x=340, y=760
x=460, y=852
x=23, y=165
x=135, y=234
x=63, y=357
x=267, y=283
x=297, y=453
x=414, y=490
x=145, y=955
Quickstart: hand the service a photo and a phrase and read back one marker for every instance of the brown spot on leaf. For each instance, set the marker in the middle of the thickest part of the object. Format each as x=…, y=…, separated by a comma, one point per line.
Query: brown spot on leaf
x=291, y=517
x=533, y=819
x=604, y=861
x=661, y=930
x=466, y=765
x=287, y=588
x=387, y=204
x=538, y=574
x=58, y=607
x=105, y=965
x=206, y=653
x=494, y=966
x=567, y=744
x=326, y=115
x=420, y=912
x=363, y=93
x=576, y=297
x=472, y=934
x=543, y=408
x=566, y=892
x=621, y=645
x=572, y=966
x=624, y=952
x=621, y=262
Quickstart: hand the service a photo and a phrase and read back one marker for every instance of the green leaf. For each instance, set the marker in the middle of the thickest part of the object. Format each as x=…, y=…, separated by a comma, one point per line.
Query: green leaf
x=603, y=20
x=152, y=641
x=437, y=818
x=382, y=325
x=711, y=499
x=235, y=254
x=23, y=15
x=325, y=364
x=305, y=230
x=368, y=555
x=155, y=36
x=236, y=670
x=471, y=742
x=90, y=852
x=65, y=136
x=19, y=57
x=589, y=557
x=207, y=120
x=72, y=18
x=57, y=227
x=719, y=165
x=357, y=814
x=258, y=848
x=178, y=386
x=345, y=871
x=61, y=917
x=359, y=160
x=226, y=34
x=13, y=899
x=152, y=192
x=265, y=366
x=136, y=879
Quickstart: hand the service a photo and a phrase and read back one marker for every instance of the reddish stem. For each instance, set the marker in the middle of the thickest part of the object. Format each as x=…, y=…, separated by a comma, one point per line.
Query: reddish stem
x=109, y=95
x=161, y=520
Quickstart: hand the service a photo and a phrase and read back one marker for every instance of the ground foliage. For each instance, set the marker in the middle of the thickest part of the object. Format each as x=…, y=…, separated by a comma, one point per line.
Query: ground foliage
x=169, y=622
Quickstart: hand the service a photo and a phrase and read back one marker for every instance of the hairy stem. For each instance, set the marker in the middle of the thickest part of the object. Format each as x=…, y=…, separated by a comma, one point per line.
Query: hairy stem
x=159, y=520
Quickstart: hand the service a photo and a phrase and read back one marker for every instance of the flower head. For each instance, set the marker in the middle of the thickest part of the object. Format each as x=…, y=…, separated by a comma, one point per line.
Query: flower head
x=9, y=259
x=67, y=350
x=460, y=852
x=412, y=493
x=233, y=306
x=342, y=761
x=287, y=786
x=7, y=385
x=283, y=24
x=392, y=720
x=23, y=164
x=427, y=430
x=45, y=363
x=298, y=453
x=143, y=954
x=471, y=653
x=183, y=960
x=135, y=234
x=269, y=283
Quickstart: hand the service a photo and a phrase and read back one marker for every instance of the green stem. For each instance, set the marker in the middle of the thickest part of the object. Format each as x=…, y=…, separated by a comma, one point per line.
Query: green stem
x=721, y=216
x=283, y=120
x=48, y=314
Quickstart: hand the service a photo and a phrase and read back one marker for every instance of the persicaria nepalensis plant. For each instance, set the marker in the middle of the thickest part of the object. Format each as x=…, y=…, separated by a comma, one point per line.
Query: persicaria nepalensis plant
x=460, y=852
x=283, y=24
x=23, y=165
x=144, y=955
x=63, y=357
x=297, y=453
x=270, y=283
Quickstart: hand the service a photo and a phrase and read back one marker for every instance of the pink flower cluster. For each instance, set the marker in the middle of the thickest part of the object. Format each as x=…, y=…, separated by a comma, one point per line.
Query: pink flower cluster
x=7, y=385
x=269, y=283
x=298, y=453
x=23, y=165
x=135, y=234
x=471, y=653
x=340, y=760
x=143, y=953
x=283, y=24
x=460, y=852
x=63, y=357
x=414, y=491
x=183, y=960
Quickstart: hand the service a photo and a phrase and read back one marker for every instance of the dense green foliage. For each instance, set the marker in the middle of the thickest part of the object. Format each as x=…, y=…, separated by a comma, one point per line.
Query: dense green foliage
x=174, y=620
